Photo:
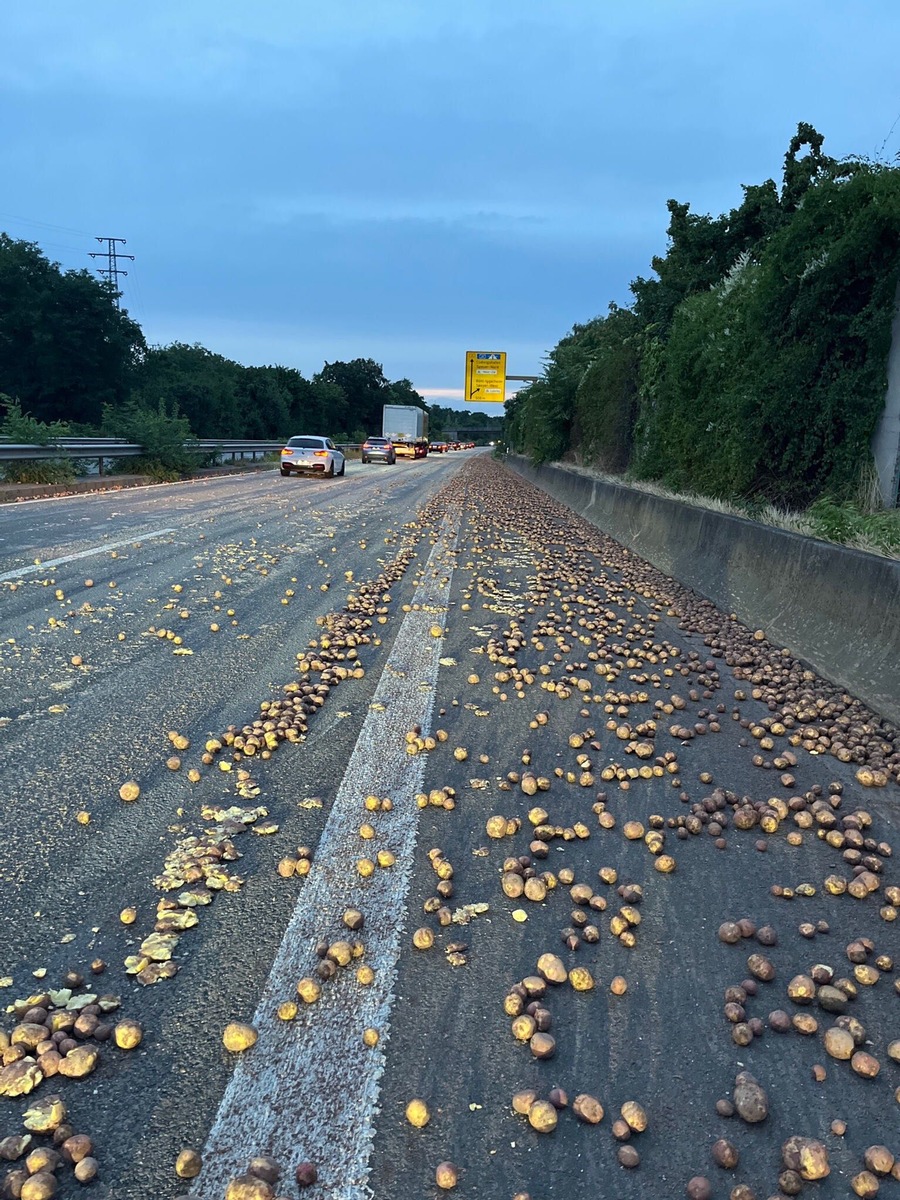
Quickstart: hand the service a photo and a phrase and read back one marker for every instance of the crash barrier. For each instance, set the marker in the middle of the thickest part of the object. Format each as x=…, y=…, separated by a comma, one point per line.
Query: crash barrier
x=835, y=608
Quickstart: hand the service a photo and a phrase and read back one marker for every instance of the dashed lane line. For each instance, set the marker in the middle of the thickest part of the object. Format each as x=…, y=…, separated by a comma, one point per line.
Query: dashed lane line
x=50, y=563
x=309, y=1089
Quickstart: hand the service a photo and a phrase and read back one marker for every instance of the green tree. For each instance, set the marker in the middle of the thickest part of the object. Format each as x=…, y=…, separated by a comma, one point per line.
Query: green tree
x=201, y=385
x=264, y=402
x=363, y=385
x=66, y=350
x=771, y=382
x=606, y=400
x=540, y=423
x=366, y=390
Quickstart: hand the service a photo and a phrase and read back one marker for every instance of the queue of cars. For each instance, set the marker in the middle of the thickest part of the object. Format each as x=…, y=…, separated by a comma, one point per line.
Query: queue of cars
x=444, y=447
x=312, y=454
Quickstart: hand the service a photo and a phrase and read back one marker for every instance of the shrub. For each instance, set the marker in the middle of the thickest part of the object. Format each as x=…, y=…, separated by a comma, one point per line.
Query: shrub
x=39, y=470
x=164, y=435
x=19, y=426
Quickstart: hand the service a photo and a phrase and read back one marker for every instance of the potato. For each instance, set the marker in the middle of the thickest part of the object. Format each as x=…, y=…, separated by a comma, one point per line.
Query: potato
x=417, y=1113
x=634, y=1116
x=128, y=1034
x=588, y=1109
x=446, y=1176
x=238, y=1037
x=542, y=1116
x=188, y=1164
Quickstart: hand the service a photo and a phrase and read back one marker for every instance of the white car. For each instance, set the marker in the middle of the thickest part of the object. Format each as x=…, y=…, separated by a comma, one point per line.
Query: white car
x=311, y=455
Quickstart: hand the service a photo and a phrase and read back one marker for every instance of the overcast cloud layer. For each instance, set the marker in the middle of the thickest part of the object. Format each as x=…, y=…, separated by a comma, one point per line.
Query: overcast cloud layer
x=408, y=179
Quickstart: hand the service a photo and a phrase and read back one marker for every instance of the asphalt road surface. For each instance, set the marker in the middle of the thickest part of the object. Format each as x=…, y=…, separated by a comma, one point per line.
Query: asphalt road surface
x=300, y=635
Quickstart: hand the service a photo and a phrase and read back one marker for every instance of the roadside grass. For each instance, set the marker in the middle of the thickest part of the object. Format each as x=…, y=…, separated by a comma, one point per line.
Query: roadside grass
x=846, y=523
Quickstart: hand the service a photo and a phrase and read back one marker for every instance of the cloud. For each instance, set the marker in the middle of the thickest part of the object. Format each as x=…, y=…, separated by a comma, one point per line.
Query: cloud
x=303, y=180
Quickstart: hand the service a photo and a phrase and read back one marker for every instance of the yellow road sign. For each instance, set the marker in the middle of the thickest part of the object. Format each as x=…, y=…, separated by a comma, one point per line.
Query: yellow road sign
x=486, y=376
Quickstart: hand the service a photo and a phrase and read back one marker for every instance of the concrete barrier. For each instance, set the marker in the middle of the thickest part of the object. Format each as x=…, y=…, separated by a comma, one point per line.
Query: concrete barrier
x=835, y=608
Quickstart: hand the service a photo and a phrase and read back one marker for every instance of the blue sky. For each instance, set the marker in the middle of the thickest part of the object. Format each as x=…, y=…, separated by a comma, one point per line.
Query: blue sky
x=409, y=179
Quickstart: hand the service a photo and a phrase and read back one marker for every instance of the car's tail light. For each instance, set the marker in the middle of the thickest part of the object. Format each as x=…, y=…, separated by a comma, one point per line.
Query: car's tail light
x=320, y=454
x=286, y=451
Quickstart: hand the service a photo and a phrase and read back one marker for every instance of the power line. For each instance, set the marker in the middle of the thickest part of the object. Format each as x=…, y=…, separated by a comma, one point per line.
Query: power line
x=880, y=149
x=142, y=312
x=60, y=246
x=112, y=270
x=43, y=224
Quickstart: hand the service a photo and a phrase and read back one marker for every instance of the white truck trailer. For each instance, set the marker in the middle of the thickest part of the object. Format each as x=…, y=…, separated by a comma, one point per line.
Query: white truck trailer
x=406, y=425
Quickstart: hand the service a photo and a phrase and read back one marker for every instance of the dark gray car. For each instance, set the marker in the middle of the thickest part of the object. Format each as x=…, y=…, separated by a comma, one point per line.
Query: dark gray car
x=378, y=449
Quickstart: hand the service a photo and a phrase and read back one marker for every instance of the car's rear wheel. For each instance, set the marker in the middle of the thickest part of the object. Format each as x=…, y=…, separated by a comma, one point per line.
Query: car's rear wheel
x=343, y=467
x=285, y=470
x=330, y=471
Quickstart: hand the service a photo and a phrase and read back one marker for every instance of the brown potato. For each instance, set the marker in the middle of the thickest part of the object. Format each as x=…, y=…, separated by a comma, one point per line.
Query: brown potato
x=446, y=1176
x=543, y=1045
x=879, y=1160
x=588, y=1109
x=628, y=1157
x=725, y=1154
x=552, y=968
x=523, y=1100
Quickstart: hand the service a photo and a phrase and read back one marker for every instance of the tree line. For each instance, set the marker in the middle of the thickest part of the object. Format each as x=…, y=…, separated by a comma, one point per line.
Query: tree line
x=752, y=363
x=69, y=354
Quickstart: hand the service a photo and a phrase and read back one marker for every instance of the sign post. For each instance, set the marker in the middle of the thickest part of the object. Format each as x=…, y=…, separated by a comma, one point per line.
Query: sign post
x=485, y=376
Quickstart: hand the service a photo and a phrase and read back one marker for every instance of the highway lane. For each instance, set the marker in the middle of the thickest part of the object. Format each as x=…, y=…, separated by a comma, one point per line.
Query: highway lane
x=498, y=553
x=89, y=691
x=540, y=584
x=84, y=670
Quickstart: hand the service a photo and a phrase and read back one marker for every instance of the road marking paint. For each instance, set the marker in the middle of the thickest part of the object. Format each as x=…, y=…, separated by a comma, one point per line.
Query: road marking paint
x=50, y=563
x=309, y=1088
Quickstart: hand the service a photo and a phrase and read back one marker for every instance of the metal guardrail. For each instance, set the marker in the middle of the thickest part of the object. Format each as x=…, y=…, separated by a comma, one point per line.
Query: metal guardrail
x=100, y=448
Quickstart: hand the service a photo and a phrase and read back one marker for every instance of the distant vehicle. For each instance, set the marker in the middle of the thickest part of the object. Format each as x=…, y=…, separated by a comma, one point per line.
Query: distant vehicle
x=378, y=449
x=438, y=448
x=456, y=445
x=406, y=426
x=312, y=455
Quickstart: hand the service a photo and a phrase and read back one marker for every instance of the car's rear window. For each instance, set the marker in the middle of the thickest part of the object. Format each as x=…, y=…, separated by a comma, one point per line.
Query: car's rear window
x=377, y=441
x=307, y=443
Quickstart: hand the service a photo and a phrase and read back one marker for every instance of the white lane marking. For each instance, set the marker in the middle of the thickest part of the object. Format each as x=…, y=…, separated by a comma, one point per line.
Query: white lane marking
x=309, y=1088
x=49, y=563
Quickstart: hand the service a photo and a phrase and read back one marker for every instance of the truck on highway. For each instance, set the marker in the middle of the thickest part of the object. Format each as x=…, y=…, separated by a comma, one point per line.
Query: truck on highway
x=406, y=425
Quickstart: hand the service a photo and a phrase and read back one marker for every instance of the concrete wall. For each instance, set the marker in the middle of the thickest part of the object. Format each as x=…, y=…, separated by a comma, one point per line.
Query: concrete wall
x=886, y=442
x=837, y=609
